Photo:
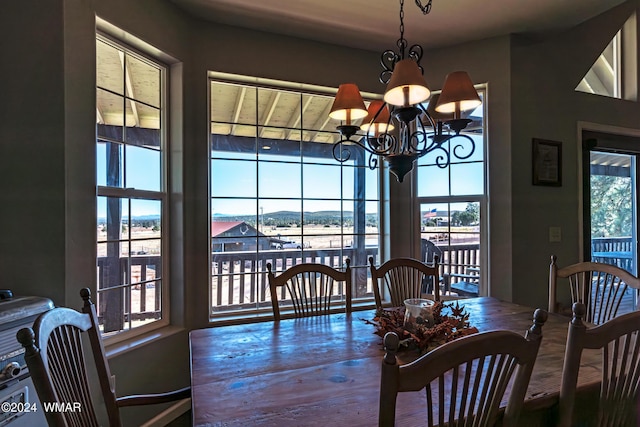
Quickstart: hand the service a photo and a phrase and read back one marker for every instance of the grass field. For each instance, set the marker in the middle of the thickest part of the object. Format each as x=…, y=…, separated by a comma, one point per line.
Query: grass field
x=145, y=241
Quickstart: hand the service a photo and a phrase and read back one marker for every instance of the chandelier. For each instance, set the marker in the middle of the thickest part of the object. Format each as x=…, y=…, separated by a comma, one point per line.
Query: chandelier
x=400, y=128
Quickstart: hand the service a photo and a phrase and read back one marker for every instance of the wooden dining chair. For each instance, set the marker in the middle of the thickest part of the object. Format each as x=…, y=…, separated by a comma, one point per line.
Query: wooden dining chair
x=312, y=289
x=403, y=278
x=464, y=380
x=620, y=346
x=61, y=372
x=429, y=250
x=600, y=287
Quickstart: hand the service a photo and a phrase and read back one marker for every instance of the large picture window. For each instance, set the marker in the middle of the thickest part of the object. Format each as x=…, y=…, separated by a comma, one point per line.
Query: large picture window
x=278, y=196
x=131, y=196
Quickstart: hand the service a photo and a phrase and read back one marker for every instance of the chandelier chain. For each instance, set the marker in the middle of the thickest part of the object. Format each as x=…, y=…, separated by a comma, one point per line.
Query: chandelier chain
x=426, y=8
x=402, y=43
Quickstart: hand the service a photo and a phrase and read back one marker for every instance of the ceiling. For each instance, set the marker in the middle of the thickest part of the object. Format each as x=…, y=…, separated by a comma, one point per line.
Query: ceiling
x=374, y=24
x=368, y=24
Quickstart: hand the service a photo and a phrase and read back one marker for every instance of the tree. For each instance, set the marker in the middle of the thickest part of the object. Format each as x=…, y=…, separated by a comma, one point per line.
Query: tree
x=469, y=216
x=611, y=210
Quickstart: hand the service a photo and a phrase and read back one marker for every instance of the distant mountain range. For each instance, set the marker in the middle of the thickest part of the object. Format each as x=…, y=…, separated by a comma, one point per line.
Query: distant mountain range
x=284, y=215
x=279, y=215
x=136, y=218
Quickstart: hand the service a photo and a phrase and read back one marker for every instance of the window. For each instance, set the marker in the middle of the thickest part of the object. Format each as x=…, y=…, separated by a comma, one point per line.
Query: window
x=452, y=202
x=278, y=195
x=614, y=71
x=131, y=195
x=603, y=78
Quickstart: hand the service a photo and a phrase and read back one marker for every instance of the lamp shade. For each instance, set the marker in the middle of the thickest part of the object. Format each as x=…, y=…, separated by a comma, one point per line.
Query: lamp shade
x=458, y=94
x=348, y=104
x=435, y=115
x=381, y=124
x=406, y=86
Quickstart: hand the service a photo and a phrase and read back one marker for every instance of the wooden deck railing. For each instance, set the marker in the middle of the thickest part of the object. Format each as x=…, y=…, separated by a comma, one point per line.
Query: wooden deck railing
x=617, y=251
x=611, y=244
x=239, y=279
x=458, y=259
x=131, y=293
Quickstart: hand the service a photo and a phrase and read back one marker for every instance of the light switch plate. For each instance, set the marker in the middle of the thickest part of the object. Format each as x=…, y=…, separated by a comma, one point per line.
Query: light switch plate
x=555, y=234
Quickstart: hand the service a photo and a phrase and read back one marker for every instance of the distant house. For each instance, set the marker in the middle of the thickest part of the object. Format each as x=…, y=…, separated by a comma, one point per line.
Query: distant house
x=236, y=236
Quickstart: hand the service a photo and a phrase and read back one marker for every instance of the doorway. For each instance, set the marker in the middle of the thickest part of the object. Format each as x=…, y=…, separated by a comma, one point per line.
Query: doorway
x=610, y=206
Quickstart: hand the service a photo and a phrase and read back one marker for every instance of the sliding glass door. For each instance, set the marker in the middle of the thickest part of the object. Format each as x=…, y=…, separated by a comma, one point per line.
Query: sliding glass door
x=613, y=207
x=610, y=192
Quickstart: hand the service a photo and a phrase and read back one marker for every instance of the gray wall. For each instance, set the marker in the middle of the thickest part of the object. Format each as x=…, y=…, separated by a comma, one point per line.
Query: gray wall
x=47, y=154
x=545, y=105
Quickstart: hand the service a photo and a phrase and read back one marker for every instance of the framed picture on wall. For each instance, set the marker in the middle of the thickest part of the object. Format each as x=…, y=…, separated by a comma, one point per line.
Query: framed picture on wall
x=547, y=162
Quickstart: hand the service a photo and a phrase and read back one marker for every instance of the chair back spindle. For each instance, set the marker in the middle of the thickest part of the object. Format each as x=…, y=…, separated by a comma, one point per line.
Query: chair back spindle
x=62, y=369
x=620, y=346
x=403, y=278
x=602, y=288
x=311, y=289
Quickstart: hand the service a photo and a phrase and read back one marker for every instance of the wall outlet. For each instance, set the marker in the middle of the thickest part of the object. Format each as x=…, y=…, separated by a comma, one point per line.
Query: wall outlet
x=555, y=234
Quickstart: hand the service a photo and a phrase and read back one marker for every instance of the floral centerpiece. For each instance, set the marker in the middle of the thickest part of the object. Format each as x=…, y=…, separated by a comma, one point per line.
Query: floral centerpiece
x=450, y=321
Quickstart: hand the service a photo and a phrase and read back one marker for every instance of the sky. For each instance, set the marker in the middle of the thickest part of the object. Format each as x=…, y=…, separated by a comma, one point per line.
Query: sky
x=237, y=182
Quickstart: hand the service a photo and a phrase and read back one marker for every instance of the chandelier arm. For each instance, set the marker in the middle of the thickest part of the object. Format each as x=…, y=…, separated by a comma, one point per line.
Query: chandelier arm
x=460, y=146
x=382, y=145
x=421, y=136
x=373, y=161
x=457, y=152
x=415, y=53
x=388, y=61
x=428, y=116
x=429, y=144
x=415, y=139
x=443, y=160
x=342, y=153
x=424, y=110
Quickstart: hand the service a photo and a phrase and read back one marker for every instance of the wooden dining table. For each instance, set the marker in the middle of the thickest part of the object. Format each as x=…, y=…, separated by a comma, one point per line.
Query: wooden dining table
x=325, y=370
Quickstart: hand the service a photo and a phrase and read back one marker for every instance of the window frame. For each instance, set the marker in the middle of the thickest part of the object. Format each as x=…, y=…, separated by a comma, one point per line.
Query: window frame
x=481, y=199
x=148, y=54
x=301, y=90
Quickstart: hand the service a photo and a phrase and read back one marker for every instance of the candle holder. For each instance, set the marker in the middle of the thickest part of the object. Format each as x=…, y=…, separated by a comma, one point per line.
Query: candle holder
x=418, y=311
x=423, y=324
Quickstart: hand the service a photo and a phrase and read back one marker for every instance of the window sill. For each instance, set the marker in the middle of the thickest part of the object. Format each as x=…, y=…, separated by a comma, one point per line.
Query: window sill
x=267, y=316
x=236, y=318
x=122, y=347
